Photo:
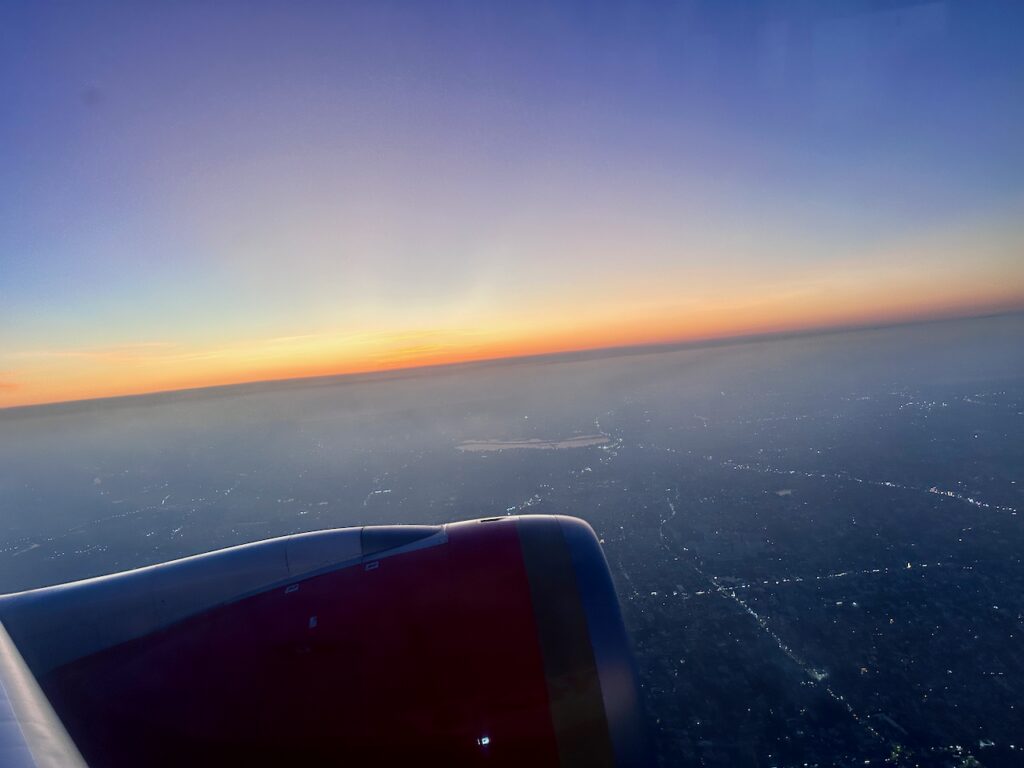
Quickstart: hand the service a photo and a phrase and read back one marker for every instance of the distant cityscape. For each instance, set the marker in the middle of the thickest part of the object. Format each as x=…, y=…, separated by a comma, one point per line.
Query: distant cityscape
x=817, y=541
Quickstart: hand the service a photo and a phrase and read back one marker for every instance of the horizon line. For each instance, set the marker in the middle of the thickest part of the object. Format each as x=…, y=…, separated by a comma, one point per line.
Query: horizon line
x=584, y=353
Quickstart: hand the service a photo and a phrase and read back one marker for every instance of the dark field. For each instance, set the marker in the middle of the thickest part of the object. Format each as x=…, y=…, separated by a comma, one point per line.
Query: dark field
x=817, y=540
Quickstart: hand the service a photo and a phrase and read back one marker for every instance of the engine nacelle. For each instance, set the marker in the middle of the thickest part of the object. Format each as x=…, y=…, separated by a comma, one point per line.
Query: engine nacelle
x=492, y=642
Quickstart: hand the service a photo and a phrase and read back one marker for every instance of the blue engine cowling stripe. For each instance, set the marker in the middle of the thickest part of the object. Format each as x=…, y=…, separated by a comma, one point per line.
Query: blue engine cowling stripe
x=613, y=657
x=574, y=690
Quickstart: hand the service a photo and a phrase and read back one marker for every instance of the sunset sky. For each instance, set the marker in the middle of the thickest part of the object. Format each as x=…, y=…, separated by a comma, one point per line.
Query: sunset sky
x=206, y=193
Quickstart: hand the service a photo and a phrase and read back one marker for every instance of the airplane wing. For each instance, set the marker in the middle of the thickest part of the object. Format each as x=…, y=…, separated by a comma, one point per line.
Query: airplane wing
x=491, y=642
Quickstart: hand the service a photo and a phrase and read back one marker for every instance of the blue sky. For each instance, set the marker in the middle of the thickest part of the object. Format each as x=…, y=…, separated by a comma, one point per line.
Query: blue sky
x=203, y=177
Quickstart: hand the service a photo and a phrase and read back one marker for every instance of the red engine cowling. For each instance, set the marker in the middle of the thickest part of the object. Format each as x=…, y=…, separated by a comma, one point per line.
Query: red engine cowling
x=491, y=642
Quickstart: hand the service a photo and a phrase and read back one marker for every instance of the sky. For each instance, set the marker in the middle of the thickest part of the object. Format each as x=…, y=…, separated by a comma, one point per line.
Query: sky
x=201, y=193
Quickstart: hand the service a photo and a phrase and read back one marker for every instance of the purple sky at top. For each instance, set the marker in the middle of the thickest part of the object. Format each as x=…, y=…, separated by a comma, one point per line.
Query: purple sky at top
x=171, y=171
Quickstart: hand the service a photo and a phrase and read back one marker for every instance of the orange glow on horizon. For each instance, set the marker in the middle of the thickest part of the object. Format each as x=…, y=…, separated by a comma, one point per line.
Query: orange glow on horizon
x=83, y=374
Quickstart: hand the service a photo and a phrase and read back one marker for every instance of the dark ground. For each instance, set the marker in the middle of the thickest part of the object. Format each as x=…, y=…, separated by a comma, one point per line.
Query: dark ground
x=817, y=540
